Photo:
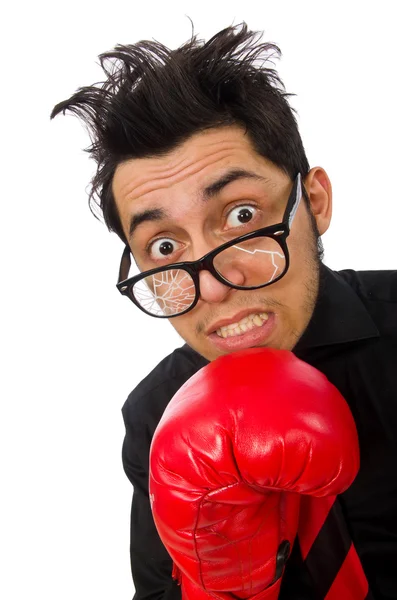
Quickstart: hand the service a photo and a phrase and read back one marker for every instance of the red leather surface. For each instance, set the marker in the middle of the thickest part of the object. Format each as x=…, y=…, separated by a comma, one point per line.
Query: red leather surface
x=235, y=448
x=191, y=591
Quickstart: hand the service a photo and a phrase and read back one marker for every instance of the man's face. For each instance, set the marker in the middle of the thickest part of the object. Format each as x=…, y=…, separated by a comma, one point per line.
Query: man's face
x=186, y=224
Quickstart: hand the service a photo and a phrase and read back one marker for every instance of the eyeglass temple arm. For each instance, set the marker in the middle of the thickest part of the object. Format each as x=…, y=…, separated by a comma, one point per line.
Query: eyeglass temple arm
x=294, y=200
x=124, y=264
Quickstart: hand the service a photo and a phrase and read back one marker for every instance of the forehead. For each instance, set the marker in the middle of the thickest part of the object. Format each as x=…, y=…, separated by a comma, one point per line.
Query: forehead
x=192, y=166
x=138, y=177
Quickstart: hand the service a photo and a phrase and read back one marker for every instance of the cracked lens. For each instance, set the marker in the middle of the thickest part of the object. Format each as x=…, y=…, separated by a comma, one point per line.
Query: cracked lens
x=171, y=292
x=166, y=293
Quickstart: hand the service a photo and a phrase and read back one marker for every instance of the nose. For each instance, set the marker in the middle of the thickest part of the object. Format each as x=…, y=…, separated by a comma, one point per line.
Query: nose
x=212, y=290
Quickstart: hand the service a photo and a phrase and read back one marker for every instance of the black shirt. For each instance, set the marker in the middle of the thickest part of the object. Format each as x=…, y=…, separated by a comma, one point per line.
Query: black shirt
x=352, y=339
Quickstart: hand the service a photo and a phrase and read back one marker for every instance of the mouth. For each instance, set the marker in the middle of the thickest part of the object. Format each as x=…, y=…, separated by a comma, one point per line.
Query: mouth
x=245, y=324
x=244, y=331
x=239, y=323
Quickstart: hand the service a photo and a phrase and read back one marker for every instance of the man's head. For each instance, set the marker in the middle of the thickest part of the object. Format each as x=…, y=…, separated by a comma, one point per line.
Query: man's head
x=165, y=126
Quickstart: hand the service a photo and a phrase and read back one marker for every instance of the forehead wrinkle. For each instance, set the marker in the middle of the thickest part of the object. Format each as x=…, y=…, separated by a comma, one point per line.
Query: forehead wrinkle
x=186, y=167
x=149, y=172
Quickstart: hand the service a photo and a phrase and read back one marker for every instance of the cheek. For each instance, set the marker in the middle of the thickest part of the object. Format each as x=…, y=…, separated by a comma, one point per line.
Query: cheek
x=300, y=280
x=301, y=243
x=184, y=326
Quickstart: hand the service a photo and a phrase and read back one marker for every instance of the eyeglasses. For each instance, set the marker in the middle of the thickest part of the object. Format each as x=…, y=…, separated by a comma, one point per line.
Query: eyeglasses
x=249, y=262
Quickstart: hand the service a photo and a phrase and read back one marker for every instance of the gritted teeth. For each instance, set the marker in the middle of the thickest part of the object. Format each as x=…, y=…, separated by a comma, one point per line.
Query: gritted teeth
x=247, y=323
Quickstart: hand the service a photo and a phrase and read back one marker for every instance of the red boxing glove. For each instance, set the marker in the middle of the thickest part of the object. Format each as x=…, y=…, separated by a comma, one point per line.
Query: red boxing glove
x=235, y=448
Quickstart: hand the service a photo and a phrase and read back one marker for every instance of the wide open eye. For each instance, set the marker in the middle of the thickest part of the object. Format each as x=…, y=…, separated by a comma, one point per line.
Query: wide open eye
x=163, y=249
x=240, y=215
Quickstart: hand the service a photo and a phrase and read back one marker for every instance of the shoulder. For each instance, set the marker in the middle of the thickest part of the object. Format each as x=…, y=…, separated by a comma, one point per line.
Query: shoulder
x=147, y=402
x=372, y=286
x=377, y=290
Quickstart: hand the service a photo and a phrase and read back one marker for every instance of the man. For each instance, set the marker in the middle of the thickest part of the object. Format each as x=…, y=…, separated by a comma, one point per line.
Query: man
x=197, y=147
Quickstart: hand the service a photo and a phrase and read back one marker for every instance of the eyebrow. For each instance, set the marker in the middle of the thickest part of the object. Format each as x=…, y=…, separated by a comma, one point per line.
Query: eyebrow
x=157, y=214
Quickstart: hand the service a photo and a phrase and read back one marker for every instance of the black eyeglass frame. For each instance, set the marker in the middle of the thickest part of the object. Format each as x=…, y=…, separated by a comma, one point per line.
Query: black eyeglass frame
x=279, y=232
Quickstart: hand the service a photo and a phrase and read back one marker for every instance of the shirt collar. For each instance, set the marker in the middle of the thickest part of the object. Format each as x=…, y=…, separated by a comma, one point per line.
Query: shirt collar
x=339, y=316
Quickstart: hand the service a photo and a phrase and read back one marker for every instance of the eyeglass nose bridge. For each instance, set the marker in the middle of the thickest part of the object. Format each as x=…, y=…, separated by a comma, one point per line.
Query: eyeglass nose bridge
x=205, y=263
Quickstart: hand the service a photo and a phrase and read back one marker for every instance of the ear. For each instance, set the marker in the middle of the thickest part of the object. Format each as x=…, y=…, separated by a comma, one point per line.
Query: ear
x=319, y=189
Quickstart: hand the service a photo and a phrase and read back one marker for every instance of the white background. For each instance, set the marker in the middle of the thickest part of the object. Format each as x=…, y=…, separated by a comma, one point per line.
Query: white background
x=72, y=347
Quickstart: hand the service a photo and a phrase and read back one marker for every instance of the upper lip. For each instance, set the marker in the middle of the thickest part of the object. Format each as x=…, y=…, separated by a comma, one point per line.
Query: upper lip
x=237, y=317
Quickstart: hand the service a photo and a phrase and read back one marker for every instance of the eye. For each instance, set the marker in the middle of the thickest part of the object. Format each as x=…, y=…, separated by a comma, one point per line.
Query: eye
x=163, y=248
x=240, y=215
